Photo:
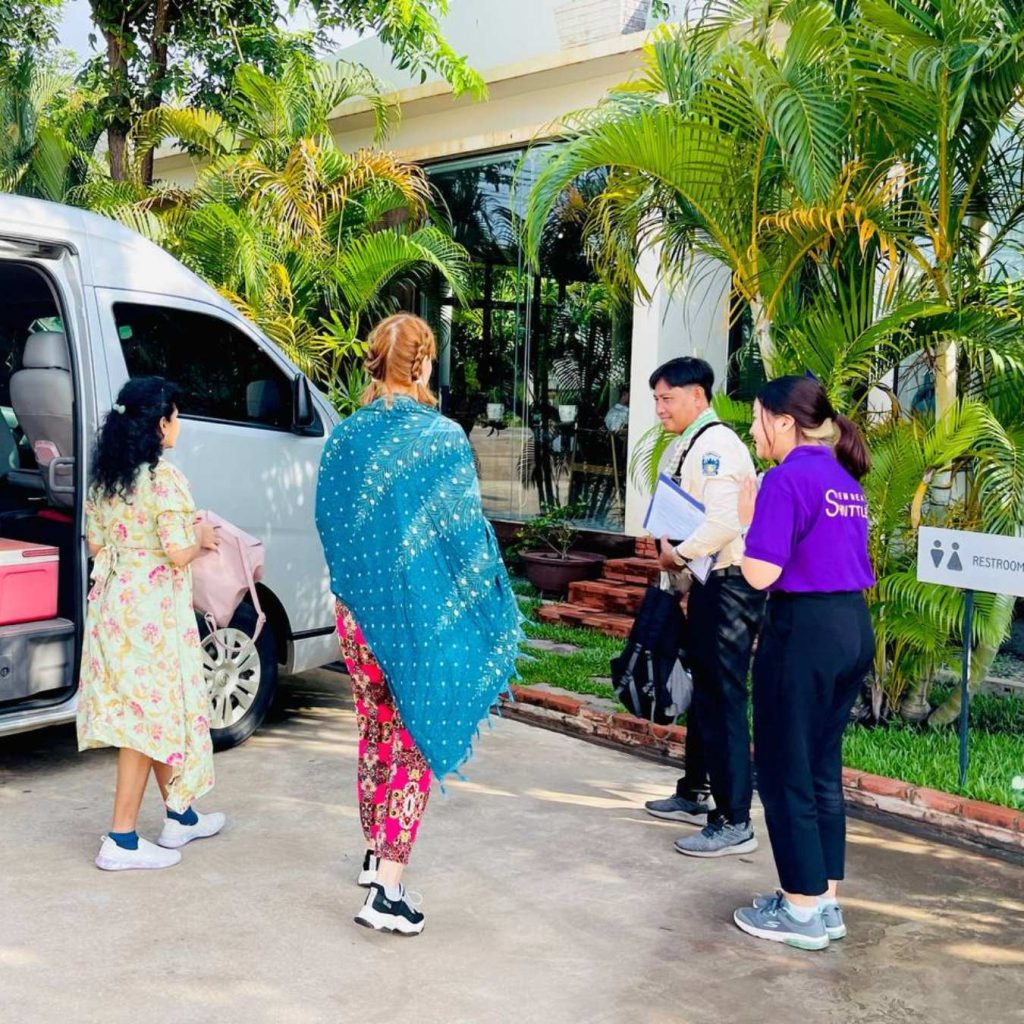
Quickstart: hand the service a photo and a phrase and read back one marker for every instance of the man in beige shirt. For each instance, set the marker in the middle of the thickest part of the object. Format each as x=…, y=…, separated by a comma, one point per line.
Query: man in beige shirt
x=723, y=616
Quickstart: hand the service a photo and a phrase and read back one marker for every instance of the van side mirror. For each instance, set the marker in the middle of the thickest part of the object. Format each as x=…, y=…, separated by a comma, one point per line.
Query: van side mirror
x=304, y=418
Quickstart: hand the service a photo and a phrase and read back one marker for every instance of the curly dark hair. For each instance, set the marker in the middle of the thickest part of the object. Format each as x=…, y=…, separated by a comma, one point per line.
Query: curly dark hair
x=130, y=436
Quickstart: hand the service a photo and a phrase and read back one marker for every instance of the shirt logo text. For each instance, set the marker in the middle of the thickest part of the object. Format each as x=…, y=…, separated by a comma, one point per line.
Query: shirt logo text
x=845, y=504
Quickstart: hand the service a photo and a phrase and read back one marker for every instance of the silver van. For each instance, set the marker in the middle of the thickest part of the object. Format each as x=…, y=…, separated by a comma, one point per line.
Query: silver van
x=86, y=304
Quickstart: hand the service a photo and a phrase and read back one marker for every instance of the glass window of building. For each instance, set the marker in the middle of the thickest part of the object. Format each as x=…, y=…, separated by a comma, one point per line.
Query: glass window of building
x=533, y=366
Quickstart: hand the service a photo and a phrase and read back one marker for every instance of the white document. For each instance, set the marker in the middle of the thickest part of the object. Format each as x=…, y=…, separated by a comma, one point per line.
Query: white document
x=675, y=514
x=701, y=567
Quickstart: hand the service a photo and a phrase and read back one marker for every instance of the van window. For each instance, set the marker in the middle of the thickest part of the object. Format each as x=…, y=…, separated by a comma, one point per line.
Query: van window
x=223, y=374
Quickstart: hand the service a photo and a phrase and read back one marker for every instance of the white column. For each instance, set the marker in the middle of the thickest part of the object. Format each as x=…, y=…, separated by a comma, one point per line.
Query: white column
x=694, y=321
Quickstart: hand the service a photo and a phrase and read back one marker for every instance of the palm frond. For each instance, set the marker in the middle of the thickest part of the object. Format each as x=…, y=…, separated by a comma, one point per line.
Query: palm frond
x=370, y=262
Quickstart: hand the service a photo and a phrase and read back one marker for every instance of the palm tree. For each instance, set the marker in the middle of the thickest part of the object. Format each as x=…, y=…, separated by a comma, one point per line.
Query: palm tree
x=918, y=625
x=50, y=129
x=943, y=81
x=711, y=151
x=869, y=208
x=304, y=237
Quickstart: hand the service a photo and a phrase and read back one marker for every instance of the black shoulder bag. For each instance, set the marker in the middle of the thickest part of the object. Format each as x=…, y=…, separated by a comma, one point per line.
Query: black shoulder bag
x=650, y=676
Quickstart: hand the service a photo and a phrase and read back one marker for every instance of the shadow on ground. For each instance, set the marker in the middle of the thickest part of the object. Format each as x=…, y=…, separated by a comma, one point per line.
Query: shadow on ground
x=549, y=898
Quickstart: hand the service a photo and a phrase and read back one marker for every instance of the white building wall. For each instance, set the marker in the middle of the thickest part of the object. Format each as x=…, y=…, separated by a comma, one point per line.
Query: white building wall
x=490, y=32
x=694, y=322
x=527, y=102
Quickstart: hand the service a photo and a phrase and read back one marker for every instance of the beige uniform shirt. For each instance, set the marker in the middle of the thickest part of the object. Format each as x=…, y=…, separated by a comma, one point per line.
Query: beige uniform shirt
x=712, y=472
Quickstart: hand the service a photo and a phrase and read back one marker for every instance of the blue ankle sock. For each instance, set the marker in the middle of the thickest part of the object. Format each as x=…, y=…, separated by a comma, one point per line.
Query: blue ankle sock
x=189, y=817
x=126, y=840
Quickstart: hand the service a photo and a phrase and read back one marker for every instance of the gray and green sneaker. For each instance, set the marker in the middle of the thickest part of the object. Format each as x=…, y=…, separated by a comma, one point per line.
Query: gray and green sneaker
x=718, y=838
x=773, y=921
x=831, y=913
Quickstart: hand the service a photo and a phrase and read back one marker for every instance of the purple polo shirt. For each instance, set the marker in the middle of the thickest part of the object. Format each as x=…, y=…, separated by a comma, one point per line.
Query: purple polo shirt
x=811, y=520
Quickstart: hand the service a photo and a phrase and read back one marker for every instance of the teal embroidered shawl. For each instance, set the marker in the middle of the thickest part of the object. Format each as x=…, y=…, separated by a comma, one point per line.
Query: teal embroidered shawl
x=415, y=561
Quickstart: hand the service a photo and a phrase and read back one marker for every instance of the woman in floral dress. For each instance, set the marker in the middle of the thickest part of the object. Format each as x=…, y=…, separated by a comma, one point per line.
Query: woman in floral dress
x=141, y=687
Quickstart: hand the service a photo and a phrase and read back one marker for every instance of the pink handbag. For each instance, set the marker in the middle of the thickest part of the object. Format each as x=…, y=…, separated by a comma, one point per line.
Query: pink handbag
x=221, y=578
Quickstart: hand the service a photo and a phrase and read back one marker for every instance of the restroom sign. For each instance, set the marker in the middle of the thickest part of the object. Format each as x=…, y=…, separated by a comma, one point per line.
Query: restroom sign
x=971, y=561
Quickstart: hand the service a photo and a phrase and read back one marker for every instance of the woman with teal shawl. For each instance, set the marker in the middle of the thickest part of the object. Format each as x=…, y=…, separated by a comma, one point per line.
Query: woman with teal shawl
x=428, y=623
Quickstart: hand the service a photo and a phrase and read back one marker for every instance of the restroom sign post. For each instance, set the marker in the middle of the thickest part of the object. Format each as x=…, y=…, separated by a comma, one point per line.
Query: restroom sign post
x=970, y=561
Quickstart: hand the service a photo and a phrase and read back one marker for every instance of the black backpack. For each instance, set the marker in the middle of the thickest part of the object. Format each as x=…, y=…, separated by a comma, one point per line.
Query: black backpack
x=650, y=675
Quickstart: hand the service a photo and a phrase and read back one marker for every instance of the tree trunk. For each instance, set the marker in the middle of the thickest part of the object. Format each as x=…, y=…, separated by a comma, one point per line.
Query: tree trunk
x=763, y=334
x=945, y=378
x=120, y=121
x=157, y=79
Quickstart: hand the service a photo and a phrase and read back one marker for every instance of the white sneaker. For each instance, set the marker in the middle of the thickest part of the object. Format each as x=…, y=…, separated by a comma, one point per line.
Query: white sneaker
x=175, y=835
x=368, y=872
x=384, y=915
x=147, y=857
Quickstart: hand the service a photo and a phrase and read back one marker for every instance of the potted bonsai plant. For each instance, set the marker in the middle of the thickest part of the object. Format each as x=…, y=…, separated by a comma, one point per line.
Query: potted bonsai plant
x=543, y=546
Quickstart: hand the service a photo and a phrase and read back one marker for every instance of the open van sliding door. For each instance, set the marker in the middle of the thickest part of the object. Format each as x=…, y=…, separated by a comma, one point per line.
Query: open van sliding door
x=246, y=460
x=39, y=660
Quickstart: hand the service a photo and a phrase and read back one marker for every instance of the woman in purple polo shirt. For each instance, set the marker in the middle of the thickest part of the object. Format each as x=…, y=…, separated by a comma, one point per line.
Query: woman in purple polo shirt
x=807, y=544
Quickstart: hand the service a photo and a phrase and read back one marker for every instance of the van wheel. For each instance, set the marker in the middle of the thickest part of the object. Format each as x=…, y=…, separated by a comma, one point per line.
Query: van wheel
x=242, y=680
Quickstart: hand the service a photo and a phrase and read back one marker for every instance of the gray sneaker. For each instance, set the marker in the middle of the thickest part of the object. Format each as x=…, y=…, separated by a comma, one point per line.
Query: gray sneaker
x=679, y=808
x=719, y=839
x=774, y=922
x=831, y=914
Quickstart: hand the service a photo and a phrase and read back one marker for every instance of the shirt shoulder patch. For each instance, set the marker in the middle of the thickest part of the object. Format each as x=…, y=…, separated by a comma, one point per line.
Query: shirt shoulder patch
x=711, y=464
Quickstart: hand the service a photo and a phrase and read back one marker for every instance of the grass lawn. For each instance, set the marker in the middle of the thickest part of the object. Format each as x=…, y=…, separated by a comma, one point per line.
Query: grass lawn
x=922, y=757
x=927, y=757
x=573, y=672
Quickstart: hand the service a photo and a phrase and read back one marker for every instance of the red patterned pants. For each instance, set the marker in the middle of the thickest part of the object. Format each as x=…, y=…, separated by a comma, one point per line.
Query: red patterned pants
x=393, y=778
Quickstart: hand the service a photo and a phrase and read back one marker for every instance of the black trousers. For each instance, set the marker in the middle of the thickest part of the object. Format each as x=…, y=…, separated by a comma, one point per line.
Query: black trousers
x=814, y=654
x=723, y=617
x=694, y=784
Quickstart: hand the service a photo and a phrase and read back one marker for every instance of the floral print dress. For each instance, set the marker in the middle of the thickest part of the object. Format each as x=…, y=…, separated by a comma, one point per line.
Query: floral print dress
x=142, y=684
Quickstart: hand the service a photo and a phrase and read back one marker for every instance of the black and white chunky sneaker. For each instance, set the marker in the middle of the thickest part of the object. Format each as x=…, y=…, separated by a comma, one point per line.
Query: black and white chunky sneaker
x=368, y=873
x=386, y=915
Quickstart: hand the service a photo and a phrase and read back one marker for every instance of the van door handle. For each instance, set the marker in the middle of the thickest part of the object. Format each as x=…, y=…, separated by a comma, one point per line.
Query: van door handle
x=52, y=468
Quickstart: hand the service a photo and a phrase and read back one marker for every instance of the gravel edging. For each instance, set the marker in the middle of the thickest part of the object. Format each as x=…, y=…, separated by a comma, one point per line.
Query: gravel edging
x=593, y=719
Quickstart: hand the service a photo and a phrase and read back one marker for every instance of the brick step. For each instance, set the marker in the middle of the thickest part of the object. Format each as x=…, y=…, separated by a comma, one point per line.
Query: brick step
x=638, y=571
x=645, y=548
x=606, y=596
x=609, y=623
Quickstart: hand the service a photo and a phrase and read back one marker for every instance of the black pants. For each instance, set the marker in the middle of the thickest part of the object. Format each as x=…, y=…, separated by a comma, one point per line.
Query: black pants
x=722, y=619
x=694, y=784
x=814, y=654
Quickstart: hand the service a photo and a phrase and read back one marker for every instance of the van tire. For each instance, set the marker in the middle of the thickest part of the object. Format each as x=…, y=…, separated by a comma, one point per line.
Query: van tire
x=244, y=621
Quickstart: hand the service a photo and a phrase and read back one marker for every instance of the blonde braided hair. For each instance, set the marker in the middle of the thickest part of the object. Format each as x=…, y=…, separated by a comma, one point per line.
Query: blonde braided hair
x=397, y=348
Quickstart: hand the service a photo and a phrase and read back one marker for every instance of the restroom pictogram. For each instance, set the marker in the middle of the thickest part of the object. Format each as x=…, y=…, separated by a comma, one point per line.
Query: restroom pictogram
x=938, y=553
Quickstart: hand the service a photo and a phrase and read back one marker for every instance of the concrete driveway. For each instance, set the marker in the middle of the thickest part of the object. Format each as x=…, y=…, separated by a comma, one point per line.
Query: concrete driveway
x=549, y=898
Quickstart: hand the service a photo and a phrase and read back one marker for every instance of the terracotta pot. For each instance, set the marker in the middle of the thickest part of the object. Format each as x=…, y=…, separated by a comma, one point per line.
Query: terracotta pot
x=547, y=572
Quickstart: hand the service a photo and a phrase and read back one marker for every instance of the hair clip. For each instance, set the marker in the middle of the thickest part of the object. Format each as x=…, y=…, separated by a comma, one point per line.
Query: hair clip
x=118, y=408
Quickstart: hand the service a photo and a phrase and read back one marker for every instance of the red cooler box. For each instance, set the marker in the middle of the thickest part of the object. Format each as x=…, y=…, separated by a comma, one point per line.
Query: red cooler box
x=28, y=582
